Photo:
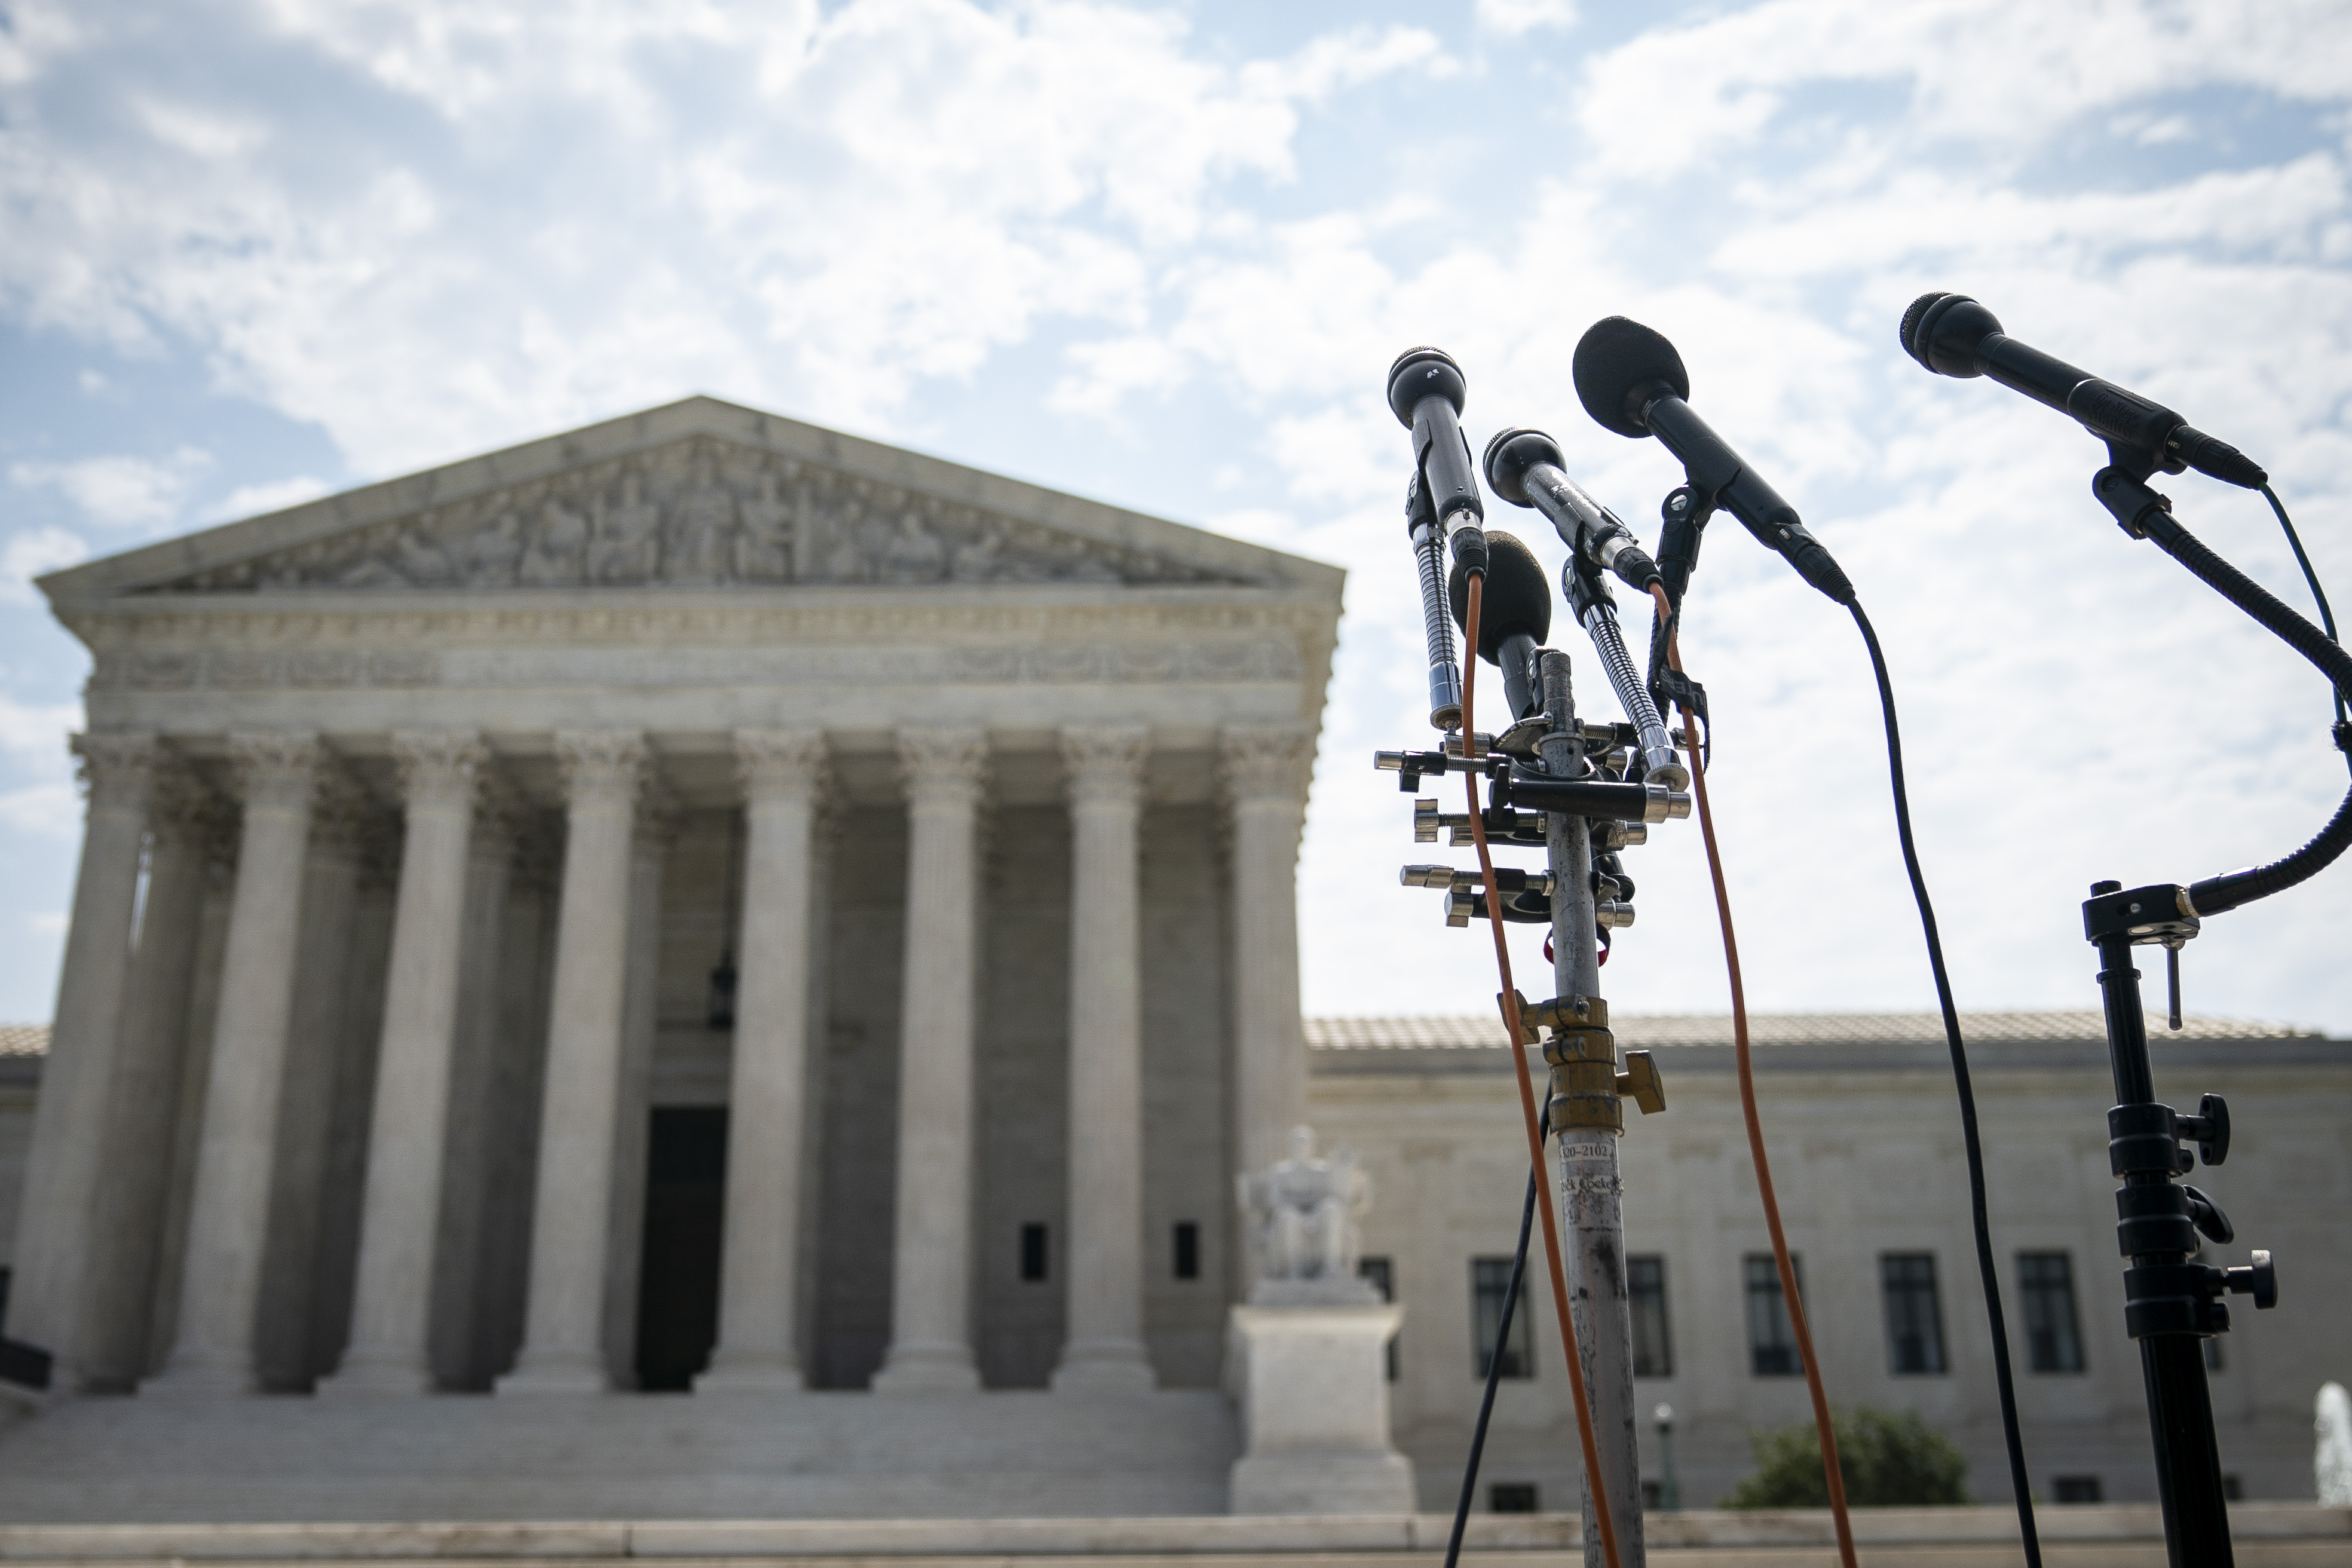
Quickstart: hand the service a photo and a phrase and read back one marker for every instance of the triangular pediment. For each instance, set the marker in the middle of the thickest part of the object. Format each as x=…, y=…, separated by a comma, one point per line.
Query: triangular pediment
x=699, y=494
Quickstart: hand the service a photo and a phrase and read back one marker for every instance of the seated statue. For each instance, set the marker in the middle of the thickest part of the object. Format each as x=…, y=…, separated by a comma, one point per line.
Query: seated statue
x=1303, y=1213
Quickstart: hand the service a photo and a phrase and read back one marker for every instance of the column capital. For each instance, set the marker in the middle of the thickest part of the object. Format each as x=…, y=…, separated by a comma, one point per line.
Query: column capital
x=276, y=768
x=116, y=769
x=345, y=818
x=943, y=765
x=438, y=767
x=185, y=812
x=601, y=766
x=1266, y=762
x=1106, y=765
x=780, y=763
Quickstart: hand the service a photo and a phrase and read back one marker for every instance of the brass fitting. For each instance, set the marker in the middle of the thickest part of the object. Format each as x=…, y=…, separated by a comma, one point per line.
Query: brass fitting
x=1587, y=1090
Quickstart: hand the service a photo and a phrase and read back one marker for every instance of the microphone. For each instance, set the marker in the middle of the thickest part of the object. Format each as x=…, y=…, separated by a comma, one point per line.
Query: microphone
x=1514, y=615
x=1953, y=335
x=1437, y=632
x=1426, y=392
x=1526, y=469
x=1630, y=380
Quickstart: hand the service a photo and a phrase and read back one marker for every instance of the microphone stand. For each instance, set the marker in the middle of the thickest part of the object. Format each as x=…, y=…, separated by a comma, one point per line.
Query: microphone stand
x=2171, y=1301
x=1587, y=1113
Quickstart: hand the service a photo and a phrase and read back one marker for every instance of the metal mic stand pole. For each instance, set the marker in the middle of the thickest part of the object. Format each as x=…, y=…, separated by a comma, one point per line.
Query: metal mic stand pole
x=1587, y=1117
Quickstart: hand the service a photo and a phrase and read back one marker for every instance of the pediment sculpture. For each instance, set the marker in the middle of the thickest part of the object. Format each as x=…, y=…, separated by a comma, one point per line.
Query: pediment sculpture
x=700, y=512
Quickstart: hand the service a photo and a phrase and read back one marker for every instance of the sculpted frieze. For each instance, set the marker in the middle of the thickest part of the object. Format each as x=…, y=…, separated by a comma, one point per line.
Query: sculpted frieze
x=1072, y=663
x=700, y=512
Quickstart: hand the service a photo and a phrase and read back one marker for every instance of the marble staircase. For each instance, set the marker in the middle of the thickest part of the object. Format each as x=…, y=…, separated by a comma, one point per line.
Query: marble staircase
x=620, y=1456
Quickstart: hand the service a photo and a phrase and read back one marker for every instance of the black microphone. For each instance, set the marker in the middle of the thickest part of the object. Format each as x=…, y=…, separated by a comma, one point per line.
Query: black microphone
x=1426, y=392
x=1526, y=469
x=1951, y=334
x=1630, y=380
x=1514, y=615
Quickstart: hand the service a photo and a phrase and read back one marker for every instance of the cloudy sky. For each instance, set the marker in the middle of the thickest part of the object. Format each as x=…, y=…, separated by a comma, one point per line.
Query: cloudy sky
x=1162, y=255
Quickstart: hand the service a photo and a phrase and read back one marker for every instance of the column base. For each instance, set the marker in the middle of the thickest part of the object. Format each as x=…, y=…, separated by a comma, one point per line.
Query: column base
x=927, y=1369
x=569, y=1371
x=1104, y=1366
x=750, y=1372
x=377, y=1374
x=202, y=1375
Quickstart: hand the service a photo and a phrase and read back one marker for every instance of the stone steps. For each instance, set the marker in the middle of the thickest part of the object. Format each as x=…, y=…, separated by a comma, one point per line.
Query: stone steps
x=622, y=1456
x=2269, y=1535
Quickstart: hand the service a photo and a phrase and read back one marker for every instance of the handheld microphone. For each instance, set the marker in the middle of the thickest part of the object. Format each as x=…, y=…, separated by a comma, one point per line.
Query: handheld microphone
x=1426, y=392
x=1953, y=335
x=1526, y=469
x=1514, y=615
x=1630, y=380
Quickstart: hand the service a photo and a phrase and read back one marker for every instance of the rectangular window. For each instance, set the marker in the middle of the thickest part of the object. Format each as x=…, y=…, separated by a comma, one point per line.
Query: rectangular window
x=1915, y=1322
x=1654, y=1346
x=1772, y=1339
x=1187, y=1250
x=1381, y=1275
x=1513, y=1497
x=2045, y=1283
x=2077, y=1488
x=1033, y=1252
x=1490, y=1287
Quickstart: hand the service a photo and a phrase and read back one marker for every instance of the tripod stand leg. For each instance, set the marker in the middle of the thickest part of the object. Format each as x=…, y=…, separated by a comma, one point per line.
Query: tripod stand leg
x=2188, y=1466
x=2179, y=1404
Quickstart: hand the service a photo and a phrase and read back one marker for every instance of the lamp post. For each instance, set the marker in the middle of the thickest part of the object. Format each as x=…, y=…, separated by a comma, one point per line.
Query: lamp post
x=1669, y=1495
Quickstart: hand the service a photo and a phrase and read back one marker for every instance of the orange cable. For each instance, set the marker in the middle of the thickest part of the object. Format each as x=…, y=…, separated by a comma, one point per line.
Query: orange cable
x=1510, y=1000
x=1822, y=1425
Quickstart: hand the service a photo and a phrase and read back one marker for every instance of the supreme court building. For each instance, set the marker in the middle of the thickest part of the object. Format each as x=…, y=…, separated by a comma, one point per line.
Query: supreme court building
x=706, y=905
x=698, y=814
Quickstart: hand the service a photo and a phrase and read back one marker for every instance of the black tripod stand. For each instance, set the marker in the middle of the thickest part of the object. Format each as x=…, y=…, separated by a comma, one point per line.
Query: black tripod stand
x=2171, y=1301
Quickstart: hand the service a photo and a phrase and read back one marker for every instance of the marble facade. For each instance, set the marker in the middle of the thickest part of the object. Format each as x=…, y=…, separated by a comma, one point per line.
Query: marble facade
x=451, y=798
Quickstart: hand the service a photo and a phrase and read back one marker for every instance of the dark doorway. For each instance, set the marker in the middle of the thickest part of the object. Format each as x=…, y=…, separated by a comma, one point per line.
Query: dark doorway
x=678, y=1282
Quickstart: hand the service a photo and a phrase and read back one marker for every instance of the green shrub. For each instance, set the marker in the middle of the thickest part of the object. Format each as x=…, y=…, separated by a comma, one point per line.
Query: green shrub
x=1888, y=1461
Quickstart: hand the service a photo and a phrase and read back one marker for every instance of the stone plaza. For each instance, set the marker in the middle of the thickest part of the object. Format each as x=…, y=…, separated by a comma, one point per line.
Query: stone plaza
x=704, y=905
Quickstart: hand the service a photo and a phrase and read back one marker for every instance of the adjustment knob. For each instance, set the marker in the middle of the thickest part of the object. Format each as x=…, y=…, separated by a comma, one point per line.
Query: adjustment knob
x=2211, y=1128
x=2259, y=1281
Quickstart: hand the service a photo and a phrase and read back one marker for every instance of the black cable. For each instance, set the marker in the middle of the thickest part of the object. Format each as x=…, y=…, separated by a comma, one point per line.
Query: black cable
x=2326, y=616
x=2217, y=895
x=1494, y=1377
x=1986, y=1268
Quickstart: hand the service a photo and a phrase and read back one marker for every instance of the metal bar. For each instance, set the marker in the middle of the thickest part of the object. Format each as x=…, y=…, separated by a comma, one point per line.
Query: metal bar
x=1590, y=1193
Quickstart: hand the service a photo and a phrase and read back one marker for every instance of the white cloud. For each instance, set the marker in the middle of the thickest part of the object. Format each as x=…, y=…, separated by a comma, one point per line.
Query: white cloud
x=31, y=551
x=36, y=730
x=1513, y=17
x=842, y=204
x=120, y=491
x=271, y=495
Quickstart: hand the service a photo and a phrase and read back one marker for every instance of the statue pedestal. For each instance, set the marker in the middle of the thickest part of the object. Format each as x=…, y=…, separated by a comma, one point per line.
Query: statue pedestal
x=1307, y=1361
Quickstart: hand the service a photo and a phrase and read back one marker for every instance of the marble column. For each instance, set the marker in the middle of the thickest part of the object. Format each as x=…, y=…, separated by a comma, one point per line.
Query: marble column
x=186, y=825
x=930, y=1282
x=782, y=774
x=1105, y=1348
x=220, y=1278
x=346, y=833
x=1264, y=768
x=50, y=1301
x=400, y=1210
x=562, y=1350
x=659, y=815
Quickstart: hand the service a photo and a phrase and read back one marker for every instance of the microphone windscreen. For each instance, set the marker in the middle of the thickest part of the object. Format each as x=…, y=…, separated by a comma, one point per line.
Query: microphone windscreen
x=1614, y=358
x=1908, y=332
x=1516, y=598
